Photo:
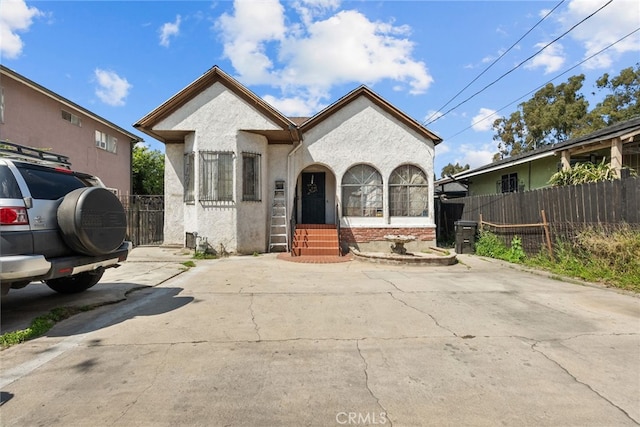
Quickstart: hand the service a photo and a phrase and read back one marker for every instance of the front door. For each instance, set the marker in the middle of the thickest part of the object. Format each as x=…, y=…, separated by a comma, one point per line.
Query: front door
x=313, y=198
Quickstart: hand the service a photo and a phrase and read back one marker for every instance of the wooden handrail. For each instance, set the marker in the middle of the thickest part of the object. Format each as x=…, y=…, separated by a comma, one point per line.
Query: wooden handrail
x=544, y=224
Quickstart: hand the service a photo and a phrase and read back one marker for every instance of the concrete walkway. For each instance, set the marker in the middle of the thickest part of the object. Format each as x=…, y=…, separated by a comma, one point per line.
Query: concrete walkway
x=256, y=341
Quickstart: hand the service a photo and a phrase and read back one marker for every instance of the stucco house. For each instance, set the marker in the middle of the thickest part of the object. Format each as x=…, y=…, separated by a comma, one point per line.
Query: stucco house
x=248, y=179
x=36, y=117
x=618, y=145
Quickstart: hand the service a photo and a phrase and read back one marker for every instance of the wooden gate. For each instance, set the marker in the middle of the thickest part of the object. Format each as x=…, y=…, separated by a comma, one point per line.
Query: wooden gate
x=145, y=219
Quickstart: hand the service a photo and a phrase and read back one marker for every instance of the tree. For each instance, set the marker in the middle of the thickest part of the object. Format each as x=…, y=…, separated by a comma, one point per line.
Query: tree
x=558, y=113
x=549, y=117
x=620, y=104
x=452, y=169
x=147, y=171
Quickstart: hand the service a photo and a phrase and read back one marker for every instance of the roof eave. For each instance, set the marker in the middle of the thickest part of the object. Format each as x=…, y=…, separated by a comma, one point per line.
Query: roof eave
x=376, y=99
x=470, y=173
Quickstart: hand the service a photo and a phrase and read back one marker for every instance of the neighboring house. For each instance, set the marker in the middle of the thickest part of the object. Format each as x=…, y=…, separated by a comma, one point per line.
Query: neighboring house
x=450, y=188
x=33, y=116
x=618, y=145
x=360, y=163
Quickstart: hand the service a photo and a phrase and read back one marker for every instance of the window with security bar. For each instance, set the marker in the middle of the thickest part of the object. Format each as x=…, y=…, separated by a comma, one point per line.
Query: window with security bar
x=216, y=176
x=251, y=177
x=189, y=178
x=508, y=183
x=408, y=192
x=362, y=191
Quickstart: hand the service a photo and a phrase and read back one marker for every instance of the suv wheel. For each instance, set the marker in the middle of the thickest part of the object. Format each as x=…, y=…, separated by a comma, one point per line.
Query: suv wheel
x=76, y=283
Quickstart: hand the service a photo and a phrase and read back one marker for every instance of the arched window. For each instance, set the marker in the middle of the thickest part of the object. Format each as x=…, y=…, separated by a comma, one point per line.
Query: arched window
x=408, y=192
x=362, y=192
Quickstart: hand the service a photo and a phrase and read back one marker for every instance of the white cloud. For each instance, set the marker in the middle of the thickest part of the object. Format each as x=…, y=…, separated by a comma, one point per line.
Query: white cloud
x=323, y=49
x=15, y=17
x=296, y=105
x=483, y=121
x=432, y=116
x=607, y=26
x=551, y=58
x=246, y=35
x=112, y=89
x=168, y=30
x=476, y=155
x=442, y=149
x=310, y=9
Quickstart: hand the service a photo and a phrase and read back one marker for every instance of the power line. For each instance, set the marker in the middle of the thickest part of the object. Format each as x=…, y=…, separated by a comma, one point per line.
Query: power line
x=494, y=62
x=549, y=81
x=519, y=65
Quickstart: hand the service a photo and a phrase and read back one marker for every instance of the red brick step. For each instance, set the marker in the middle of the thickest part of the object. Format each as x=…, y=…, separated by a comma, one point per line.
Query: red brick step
x=315, y=240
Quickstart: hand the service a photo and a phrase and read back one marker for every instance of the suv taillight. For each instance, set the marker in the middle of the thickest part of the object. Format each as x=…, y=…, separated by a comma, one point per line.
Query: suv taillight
x=13, y=216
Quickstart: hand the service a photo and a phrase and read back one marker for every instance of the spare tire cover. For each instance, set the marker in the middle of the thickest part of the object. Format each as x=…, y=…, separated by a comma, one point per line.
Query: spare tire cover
x=92, y=221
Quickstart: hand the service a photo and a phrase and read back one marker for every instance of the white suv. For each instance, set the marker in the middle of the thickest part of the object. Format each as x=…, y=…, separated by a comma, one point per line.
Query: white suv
x=56, y=225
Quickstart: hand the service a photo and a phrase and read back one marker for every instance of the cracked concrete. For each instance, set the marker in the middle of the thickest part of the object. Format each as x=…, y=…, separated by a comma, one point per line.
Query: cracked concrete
x=366, y=377
x=254, y=341
x=253, y=319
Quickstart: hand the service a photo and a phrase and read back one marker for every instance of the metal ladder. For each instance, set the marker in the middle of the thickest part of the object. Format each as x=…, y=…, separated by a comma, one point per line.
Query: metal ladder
x=278, y=234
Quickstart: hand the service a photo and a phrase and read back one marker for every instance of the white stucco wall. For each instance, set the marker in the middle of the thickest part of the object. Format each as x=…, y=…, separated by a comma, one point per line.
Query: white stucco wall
x=173, y=195
x=251, y=215
x=216, y=117
x=361, y=132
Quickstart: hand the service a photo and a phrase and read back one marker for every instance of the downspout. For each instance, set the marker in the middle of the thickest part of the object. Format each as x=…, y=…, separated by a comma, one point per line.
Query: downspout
x=290, y=156
x=290, y=195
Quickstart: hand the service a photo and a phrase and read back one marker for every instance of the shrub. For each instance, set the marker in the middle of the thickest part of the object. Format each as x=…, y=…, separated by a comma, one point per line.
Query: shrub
x=582, y=173
x=598, y=255
x=490, y=245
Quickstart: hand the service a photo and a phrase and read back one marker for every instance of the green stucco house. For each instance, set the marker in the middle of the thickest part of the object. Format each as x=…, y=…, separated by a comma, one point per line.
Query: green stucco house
x=618, y=144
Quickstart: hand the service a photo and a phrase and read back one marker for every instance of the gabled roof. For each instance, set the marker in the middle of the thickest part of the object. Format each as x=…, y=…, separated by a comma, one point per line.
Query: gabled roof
x=377, y=100
x=209, y=78
x=71, y=105
x=291, y=127
x=599, y=139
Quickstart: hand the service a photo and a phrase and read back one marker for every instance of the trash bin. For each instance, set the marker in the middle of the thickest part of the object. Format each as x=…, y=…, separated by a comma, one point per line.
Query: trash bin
x=465, y=236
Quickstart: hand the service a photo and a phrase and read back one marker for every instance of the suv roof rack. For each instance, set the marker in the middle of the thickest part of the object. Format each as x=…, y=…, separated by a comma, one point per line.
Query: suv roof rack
x=21, y=152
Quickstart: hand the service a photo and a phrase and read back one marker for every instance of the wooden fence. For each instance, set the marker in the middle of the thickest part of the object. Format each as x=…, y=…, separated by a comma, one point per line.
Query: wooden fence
x=568, y=209
x=145, y=219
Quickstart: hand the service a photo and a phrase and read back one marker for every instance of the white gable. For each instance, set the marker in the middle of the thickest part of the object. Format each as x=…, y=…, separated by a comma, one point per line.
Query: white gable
x=216, y=115
x=362, y=130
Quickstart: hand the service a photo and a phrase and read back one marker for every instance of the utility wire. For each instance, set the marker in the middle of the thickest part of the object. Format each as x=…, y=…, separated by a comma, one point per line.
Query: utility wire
x=519, y=65
x=546, y=83
x=494, y=62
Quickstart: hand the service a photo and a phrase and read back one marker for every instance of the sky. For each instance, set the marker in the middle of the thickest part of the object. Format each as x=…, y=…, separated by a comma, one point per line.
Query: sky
x=454, y=66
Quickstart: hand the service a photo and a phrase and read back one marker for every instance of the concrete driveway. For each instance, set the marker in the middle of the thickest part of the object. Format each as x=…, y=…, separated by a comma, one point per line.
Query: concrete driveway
x=256, y=341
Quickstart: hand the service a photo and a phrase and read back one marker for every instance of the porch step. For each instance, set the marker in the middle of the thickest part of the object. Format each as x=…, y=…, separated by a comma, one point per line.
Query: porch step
x=315, y=240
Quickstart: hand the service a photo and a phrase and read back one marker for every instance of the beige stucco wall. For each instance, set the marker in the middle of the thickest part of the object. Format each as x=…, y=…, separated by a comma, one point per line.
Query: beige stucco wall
x=251, y=227
x=34, y=119
x=361, y=132
x=216, y=117
x=174, y=215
